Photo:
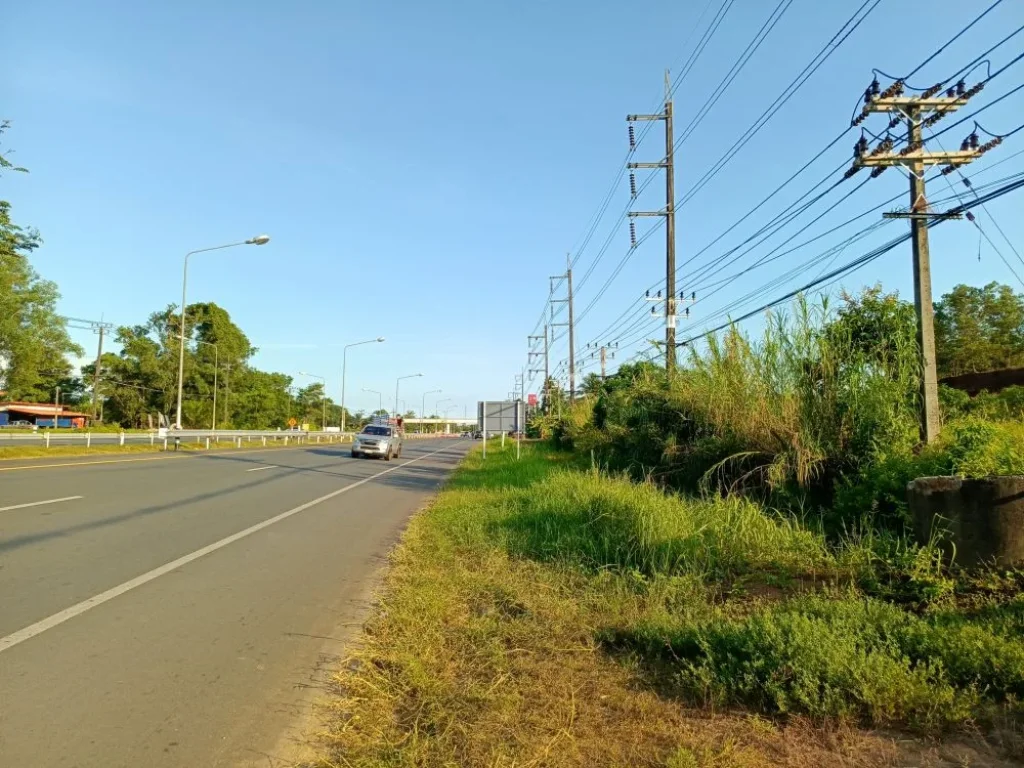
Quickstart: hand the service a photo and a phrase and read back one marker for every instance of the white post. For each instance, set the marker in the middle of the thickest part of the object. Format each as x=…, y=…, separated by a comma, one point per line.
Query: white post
x=88, y=439
x=264, y=440
x=484, y=406
x=207, y=443
x=239, y=442
x=122, y=438
x=152, y=438
x=47, y=439
x=165, y=443
x=286, y=439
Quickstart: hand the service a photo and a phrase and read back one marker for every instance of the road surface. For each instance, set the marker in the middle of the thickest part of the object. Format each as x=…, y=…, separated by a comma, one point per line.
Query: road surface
x=171, y=610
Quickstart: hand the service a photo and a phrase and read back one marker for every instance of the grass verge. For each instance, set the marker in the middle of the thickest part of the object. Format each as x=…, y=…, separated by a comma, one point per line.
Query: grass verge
x=542, y=615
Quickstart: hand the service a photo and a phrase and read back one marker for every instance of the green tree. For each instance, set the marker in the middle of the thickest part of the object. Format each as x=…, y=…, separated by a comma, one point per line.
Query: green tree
x=592, y=385
x=979, y=329
x=34, y=343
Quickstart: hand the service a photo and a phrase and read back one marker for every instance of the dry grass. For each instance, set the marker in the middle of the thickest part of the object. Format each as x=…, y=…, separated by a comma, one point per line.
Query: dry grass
x=477, y=657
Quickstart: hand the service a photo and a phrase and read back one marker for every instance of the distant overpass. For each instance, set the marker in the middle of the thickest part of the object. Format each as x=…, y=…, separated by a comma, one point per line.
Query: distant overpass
x=439, y=424
x=466, y=422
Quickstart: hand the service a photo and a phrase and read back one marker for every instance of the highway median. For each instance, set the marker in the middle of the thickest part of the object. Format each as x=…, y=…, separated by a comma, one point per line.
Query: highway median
x=541, y=612
x=38, y=451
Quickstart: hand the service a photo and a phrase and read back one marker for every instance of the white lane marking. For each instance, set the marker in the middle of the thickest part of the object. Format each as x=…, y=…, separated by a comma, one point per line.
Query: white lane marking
x=260, y=469
x=11, y=640
x=40, y=503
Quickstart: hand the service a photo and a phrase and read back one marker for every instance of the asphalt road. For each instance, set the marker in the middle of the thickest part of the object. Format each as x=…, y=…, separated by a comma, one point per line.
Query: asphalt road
x=171, y=611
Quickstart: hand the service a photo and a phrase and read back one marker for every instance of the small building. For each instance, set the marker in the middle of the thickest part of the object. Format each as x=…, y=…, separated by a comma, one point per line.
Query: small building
x=41, y=415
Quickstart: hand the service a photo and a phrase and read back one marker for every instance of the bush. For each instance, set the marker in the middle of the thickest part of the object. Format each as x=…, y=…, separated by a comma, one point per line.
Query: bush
x=841, y=658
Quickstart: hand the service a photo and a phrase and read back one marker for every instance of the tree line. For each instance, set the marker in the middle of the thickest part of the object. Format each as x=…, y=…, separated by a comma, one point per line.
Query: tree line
x=139, y=381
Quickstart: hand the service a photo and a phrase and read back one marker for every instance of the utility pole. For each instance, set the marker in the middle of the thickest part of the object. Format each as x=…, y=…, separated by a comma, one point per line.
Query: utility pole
x=96, y=375
x=571, y=324
x=603, y=350
x=533, y=353
x=919, y=112
x=100, y=327
x=669, y=212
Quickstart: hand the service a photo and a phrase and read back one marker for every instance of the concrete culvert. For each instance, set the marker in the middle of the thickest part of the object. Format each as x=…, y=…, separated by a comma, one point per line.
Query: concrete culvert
x=982, y=520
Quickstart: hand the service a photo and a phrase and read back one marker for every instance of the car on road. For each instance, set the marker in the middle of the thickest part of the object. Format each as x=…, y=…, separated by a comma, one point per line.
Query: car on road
x=382, y=441
x=478, y=435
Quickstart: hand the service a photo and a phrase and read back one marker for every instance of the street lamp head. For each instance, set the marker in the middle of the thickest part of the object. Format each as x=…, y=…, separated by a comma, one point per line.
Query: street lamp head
x=258, y=240
x=380, y=338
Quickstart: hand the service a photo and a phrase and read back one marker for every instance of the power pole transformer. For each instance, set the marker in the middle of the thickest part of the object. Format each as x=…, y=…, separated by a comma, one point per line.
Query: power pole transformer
x=918, y=112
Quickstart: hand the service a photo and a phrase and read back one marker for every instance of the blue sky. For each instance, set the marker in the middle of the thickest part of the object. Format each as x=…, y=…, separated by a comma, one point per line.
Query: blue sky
x=423, y=168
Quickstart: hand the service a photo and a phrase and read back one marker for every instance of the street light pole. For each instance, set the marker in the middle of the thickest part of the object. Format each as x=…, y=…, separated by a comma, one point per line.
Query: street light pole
x=423, y=405
x=324, y=398
x=437, y=409
x=258, y=240
x=397, y=382
x=380, y=398
x=216, y=366
x=344, y=365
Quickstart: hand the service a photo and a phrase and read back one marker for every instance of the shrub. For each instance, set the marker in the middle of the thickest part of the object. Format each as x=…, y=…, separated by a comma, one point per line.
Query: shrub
x=842, y=658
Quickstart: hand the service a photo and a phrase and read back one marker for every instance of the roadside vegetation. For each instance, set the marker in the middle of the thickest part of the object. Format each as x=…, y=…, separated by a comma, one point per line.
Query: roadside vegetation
x=542, y=612
x=712, y=570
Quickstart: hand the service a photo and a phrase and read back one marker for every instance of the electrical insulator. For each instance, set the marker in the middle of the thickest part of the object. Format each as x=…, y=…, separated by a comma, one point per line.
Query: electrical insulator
x=961, y=88
x=632, y=138
x=687, y=312
x=974, y=140
x=659, y=294
x=894, y=122
x=931, y=91
x=647, y=295
x=965, y=145
x=876, y=88
x=680, y=295
x=990, y=145
x=950, y=93
x=878, y=171
x=967, y=182
x=632, y=184
x=970, y=216
x=867, y=96
x=693, y=296
x=653, y=311
x=632, y=234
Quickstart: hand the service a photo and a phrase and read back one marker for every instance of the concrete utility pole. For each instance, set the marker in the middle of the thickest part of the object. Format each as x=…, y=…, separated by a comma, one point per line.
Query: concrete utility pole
x=100, y=327
x=96, y=375
x=534, y=353
x=668, y=164
x=919, y=112
x=571, y=324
